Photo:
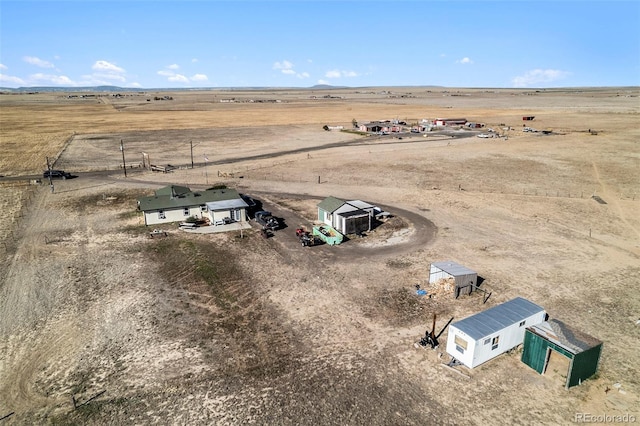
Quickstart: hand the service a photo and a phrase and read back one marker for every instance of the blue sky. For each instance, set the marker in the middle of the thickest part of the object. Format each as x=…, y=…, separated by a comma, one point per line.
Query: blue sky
x=356, y=43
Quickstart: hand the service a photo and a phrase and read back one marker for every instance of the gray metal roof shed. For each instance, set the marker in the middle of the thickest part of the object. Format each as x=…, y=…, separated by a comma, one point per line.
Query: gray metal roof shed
x=453, y=268
x=497, y=318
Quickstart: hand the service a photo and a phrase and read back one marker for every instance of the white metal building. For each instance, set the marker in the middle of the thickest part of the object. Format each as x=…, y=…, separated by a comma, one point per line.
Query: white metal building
x=466, y=279
x=485, y=335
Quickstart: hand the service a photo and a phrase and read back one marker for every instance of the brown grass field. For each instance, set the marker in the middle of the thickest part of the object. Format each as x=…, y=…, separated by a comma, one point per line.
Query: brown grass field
x=100, y=324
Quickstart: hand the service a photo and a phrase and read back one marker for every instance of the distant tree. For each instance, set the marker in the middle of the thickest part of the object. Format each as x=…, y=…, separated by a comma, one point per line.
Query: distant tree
x=325, y=127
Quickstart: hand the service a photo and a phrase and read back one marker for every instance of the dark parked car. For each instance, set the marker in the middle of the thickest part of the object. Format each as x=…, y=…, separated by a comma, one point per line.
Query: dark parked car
x=56, y=174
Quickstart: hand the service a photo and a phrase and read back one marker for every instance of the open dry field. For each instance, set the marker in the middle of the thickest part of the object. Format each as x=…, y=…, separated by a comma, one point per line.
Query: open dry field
x=100, y=324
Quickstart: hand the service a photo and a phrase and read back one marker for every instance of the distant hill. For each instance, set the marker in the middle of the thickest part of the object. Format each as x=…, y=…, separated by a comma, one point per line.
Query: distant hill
x=109, y=89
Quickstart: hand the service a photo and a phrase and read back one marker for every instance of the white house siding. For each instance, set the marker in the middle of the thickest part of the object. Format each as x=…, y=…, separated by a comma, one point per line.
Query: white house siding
x=238, y=215
x=171, y=215
x=234, y=209
x=480, y=346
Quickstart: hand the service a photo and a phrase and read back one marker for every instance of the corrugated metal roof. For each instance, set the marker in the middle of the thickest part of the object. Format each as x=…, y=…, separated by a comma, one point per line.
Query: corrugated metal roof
x=453, y=268
x=166, y=202
x=330, y=204
x=360, y=204
x=235, y=203
x=561, y=334
x=497, y=318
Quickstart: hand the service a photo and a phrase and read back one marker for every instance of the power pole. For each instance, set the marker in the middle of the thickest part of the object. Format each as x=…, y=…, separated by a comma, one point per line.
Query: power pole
x=124, y=163
x=49, y=169
x=191, y=143
x=206, y=173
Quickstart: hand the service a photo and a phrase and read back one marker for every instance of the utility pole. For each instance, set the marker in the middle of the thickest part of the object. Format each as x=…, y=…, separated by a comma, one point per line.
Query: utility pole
x=49, y=169
x=124, y=163
x=191, y=143
x=206, y=173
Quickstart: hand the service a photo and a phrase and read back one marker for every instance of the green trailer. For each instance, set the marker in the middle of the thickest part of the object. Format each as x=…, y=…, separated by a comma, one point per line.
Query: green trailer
x=327, y=234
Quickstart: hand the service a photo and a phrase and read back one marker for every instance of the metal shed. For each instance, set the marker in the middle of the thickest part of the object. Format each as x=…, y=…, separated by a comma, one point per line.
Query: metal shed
x=552, y=342
x=465, y=279
x=485, y=335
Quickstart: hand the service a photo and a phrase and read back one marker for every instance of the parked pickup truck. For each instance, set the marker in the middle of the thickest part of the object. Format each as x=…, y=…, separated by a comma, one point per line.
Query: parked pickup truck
x=267, y=221
x=56, y=174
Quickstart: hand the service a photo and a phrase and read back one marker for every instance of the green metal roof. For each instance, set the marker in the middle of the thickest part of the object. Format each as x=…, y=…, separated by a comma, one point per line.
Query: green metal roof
x=330, y=204
x=173, y=190
x=164, y=200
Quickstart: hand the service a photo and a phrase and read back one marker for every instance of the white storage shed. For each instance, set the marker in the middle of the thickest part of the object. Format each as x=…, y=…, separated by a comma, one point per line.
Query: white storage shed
x=487, y=334
x=465, y=279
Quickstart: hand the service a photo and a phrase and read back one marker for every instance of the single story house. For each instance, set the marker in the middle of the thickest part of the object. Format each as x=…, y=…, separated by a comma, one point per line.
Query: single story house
x=465, y=279
x=487, y=334
x=380, y=126
x=554, y=343
x=176, y=203
x=346, y=217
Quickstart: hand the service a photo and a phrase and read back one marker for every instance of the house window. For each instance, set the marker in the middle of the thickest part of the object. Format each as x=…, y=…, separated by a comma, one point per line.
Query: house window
x=186, y=211
x=203, y=208
x=487, y=341
x=522, y=323
x=494, y=343
x=161, y=214
x=461, y=344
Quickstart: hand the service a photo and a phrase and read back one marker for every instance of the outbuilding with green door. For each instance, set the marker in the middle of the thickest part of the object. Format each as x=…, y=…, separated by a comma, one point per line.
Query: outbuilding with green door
x=553, y=343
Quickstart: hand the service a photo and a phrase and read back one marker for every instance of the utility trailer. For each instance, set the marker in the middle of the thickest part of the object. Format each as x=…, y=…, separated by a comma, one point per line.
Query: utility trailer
x=327, y=234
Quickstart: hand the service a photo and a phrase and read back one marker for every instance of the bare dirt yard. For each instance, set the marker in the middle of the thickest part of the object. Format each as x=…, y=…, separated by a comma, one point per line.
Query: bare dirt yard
x=100, y=324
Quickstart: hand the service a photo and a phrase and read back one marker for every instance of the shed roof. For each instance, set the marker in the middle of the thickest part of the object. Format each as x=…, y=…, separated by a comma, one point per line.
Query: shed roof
x=497, y=318
x=330, y=204
x=561, y=334
x=360, y=204
x=453, y=268
x=163, y=200
x=234, y=203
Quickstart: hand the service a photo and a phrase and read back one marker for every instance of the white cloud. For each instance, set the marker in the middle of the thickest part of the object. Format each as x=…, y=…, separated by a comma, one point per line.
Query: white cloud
x=11, y=79
x=539, y=76
x=107, y=66
x=284, y=66
x=194, y=60
x=61, y=80
x=173, y=66
x=37, y=62
x=464, y=60
x=178, y=78
x=323, y=81
x=199, y=77
x=3, y=67
x=109, y=77
x=165, y=73
x=339, y=74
